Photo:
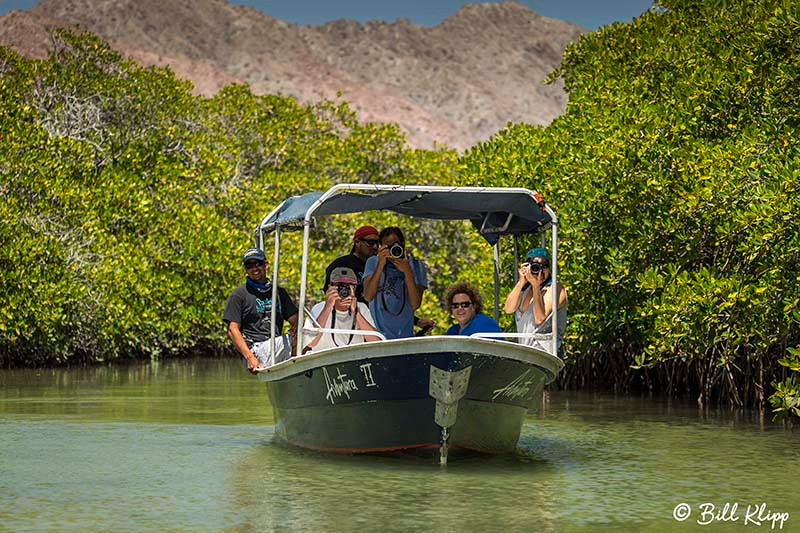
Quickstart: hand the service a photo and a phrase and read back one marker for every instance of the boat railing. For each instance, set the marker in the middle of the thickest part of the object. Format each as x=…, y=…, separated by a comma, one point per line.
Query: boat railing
x=505, y=334
x=362, y=332
x=544, y=337
x=319, y=328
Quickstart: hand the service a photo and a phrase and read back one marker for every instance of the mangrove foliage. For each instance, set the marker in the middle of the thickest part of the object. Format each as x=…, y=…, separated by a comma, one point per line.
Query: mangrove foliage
x=126, y=201
x=675, y=169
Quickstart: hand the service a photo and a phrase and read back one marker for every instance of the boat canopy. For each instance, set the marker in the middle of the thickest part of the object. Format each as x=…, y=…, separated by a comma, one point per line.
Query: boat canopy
x=493, y=211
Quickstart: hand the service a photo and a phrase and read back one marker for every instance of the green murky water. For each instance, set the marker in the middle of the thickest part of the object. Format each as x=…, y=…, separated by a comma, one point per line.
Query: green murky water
x=188, y=446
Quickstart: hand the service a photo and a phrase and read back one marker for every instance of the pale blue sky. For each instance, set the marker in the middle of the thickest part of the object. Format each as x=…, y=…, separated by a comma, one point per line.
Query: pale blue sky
x=589, y=14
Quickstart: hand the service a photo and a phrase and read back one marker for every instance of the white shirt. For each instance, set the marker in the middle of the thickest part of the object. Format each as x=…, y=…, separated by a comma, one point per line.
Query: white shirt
x=344, y=320
x=526, y=324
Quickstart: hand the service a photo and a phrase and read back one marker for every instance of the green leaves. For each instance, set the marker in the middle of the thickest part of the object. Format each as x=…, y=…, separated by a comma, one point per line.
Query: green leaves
x=126, y=200
x=674, y=173
x=786, y=398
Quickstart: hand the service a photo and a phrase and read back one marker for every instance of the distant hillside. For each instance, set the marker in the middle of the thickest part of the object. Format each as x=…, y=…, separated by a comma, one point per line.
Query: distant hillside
x=457, y=83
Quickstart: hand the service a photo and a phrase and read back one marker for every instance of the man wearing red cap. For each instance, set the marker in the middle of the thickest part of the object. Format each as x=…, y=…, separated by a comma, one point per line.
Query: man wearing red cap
x=365, y=245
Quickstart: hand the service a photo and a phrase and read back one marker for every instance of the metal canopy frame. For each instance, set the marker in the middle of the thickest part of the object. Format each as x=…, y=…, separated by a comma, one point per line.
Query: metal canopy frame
x=492, y=222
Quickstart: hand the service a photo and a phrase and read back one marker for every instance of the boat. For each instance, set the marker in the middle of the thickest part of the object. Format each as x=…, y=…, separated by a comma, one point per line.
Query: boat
x=439, y=394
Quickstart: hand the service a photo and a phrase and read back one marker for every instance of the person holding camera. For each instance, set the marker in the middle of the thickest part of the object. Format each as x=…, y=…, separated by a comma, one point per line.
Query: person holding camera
x=394, y=283
x=531, y=299
x=340, y=310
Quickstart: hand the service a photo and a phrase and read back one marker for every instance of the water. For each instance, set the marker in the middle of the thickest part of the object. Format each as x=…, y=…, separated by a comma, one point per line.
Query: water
x=188, y=446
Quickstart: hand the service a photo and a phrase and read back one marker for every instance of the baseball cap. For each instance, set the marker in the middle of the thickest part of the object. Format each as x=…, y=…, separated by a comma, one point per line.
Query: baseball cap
x=254, y=254
x=538, y=252
x=363, y=231
x=344, y=275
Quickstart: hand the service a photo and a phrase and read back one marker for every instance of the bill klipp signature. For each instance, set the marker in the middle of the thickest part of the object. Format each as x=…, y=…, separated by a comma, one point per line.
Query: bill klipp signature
x=754, y=514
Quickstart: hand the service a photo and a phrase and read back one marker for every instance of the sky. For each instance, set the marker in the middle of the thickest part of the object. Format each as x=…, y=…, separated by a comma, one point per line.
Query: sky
x=589, y=14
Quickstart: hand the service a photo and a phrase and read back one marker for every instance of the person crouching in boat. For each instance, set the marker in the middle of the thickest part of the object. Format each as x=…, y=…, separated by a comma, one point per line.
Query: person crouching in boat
x=248, y=312
x=394, y=283
x=466, y=305
x=340, y=310
x=531, y=299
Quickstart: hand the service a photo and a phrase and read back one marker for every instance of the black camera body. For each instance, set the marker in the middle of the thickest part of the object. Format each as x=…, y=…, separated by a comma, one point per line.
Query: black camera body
x=344, y=290
x=397, y=251
x=535, y=267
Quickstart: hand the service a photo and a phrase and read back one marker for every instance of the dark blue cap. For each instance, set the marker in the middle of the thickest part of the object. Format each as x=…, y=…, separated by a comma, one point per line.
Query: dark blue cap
x=254, y=253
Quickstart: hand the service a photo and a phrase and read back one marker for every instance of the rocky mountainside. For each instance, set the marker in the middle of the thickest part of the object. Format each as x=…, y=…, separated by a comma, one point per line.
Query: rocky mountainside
x=456, y=83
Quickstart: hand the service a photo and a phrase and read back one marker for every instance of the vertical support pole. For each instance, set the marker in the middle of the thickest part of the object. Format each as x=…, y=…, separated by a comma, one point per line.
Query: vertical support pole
x=303, y=276
x=273, y=312
x=554, y=273
x=497, y=281
x=516, y=259
x=259, y=238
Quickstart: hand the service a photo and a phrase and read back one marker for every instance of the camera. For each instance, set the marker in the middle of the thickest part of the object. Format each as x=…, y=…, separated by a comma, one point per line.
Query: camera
x=535, y=268
x=397, y=251
x=344, y=290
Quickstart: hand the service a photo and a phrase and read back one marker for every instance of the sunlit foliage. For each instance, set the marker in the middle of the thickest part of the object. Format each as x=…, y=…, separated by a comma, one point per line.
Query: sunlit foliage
x=675, y=171
x=126, y=201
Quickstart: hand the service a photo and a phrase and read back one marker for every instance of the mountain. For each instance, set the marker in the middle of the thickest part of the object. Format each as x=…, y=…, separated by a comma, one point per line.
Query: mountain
x=457, y=83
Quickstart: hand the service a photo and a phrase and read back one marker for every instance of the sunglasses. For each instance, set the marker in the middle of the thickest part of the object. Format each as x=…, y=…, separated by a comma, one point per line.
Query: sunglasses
x=254, y=264
x=371, y=242
x=462, y=305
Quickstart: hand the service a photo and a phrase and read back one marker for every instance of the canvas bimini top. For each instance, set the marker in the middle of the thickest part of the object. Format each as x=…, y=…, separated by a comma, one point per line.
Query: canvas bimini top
x=493, y=211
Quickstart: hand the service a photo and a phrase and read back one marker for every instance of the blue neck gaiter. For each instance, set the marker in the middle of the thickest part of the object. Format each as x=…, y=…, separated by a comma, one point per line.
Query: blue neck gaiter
x=265, y=288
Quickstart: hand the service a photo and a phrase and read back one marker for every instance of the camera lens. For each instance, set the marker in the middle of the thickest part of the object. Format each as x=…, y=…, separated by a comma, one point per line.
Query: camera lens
x=396, y=250
x=535, y=268
x=344, y=290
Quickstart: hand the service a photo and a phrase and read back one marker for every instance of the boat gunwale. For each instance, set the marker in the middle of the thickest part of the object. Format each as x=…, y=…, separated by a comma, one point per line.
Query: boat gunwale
x=549, y=363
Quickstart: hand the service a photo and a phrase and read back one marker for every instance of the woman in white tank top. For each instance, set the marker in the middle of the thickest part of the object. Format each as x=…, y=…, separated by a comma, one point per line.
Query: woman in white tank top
x=531, y=299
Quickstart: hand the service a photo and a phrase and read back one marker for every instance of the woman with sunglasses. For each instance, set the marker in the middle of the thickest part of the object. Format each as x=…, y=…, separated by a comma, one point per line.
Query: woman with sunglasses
x=466, y=305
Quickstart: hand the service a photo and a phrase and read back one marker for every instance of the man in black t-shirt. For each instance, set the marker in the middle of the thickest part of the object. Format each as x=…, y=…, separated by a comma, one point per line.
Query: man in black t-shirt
x=248, y=315
x=365, y=245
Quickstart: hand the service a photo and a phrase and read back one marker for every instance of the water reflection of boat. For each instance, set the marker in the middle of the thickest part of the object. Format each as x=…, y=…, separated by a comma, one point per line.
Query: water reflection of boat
x=441, y=392
x=283, y=488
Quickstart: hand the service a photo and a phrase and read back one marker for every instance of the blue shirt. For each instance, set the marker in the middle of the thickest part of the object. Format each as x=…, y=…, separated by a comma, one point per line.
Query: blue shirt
x=480, y=323
x=390, y=308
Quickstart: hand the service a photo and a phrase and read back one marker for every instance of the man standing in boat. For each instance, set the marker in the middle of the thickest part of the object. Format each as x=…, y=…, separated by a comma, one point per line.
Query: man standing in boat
x=394, y=283
x=248, y=315
x=365, y=245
